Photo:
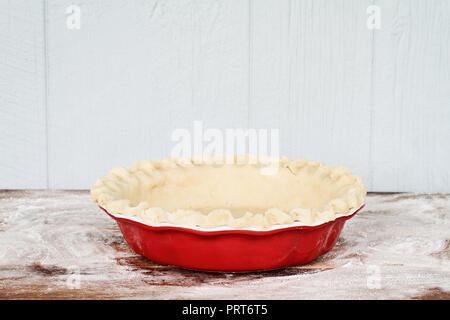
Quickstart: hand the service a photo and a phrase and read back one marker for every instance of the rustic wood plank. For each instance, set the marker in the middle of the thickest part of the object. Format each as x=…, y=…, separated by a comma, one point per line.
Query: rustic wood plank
x=302, y=66
x=310, y=77
x=134, y=72
x=397, y=247
x=411, y=114
x=23, y=154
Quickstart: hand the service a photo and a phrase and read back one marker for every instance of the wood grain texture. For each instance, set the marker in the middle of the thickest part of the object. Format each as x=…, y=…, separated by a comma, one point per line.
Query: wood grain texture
x=23, y=155
x=375, y=101
x=134, y=72
x=411, y=98
x=60, y=245
x=310, y=77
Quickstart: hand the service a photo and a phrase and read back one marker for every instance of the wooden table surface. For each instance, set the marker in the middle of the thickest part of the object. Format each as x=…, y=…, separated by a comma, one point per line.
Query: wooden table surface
x=60, y=245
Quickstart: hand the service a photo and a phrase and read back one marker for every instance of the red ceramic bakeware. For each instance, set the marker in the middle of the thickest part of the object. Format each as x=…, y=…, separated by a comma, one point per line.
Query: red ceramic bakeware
x=234, y=250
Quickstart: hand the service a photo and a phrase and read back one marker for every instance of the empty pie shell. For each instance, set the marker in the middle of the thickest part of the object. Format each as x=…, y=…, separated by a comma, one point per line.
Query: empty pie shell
x=238, y=215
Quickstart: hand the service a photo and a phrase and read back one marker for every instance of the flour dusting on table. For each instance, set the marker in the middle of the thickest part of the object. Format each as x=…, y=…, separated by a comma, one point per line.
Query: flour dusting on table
x=58, y=244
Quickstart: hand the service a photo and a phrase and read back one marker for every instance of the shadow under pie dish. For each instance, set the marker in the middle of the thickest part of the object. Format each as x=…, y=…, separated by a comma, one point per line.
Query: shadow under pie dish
x=239, y=216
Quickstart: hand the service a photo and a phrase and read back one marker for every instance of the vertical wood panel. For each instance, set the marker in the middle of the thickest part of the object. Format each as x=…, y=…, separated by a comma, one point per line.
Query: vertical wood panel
x=411, y=130
x=138, y=69
x=270, y=59
x=23, y=161
x=135, y=71
x=311, y=77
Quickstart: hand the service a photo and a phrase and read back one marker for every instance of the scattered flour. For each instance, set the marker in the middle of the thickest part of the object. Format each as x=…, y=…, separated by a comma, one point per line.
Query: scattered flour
x=397, y=247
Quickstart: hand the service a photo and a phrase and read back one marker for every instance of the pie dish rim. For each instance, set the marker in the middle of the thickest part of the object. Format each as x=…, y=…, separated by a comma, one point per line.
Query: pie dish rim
x=230, y=230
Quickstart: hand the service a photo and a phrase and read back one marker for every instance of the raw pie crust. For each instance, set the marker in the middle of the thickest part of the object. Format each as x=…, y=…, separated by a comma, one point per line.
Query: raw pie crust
x=209, y=195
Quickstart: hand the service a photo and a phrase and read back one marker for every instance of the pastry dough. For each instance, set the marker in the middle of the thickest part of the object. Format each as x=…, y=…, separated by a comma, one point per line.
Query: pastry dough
x=239, y=195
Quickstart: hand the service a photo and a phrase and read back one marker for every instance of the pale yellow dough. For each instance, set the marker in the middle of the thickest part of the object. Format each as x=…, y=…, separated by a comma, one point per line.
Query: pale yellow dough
x=207, y=195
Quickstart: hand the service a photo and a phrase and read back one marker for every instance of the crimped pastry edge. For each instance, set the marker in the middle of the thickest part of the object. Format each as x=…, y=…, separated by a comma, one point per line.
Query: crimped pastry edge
x=105, y=190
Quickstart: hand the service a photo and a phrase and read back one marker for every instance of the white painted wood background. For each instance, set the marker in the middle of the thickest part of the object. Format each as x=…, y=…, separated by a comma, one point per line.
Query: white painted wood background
x=75, y=103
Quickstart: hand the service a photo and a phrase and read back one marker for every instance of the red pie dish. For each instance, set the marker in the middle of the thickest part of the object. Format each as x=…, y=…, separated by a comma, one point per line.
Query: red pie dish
x=239, y=216
x=231, y=250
